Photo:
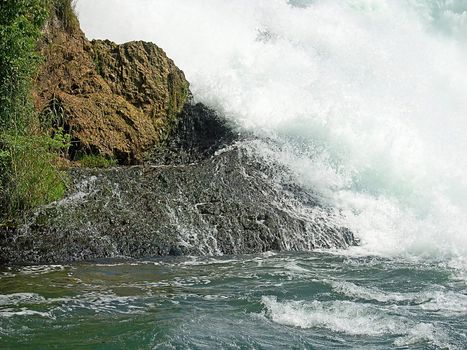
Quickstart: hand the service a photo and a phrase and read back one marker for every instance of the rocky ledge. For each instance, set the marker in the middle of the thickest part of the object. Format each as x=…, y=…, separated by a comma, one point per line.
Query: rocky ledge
x=188, y=182
x=205, y=192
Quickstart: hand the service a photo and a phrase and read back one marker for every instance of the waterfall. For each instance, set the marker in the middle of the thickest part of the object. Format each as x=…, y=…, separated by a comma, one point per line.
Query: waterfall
x=367, y=98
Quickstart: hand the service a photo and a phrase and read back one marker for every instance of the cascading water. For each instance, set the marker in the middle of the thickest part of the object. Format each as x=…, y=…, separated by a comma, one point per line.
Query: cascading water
x=367, y=97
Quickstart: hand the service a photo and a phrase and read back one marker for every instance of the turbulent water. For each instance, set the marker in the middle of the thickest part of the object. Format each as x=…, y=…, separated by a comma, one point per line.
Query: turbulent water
x=283, y=301
x=366, y=101
x=367, y=97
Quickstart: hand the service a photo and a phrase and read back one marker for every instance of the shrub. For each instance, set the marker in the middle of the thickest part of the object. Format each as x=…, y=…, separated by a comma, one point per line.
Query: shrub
x=28, y=177
x=31, y=178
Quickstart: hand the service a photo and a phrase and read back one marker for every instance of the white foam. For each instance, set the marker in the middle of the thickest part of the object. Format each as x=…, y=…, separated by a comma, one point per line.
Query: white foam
x=448, y=303
x=354, y=319
x=353, y=290
x=20, y=298
x=338, y=316
x=268, y=254
x=8, y=313
x=426, y=332
x=368, y=98
x=444, y=301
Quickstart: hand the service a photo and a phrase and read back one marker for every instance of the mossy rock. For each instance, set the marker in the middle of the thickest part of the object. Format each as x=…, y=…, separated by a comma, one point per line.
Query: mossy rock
x=116, y=101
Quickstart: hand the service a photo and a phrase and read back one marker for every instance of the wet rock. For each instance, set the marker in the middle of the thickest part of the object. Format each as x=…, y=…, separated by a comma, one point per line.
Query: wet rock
x=209, y=200
x=199, y=132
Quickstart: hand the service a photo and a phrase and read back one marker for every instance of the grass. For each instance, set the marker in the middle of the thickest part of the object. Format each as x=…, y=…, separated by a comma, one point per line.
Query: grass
x=29, y=176
x=96, y=161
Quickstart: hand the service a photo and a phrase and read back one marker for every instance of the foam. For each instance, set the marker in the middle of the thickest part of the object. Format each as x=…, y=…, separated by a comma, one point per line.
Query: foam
x=367, y=99
x=20, y=298
x=337, y=316
x=426, y=332
x=444, y=301
x=355, y=319
x=352, y=290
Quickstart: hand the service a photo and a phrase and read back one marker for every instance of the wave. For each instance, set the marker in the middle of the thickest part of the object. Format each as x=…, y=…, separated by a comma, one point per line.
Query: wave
x=355, y=319
x=442, y=301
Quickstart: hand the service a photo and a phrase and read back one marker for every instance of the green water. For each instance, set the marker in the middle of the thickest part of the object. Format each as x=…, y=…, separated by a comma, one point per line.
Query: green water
x=269, y=301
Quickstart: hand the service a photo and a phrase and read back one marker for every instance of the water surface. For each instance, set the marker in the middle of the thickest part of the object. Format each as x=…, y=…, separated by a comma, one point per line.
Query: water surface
x=267, y=301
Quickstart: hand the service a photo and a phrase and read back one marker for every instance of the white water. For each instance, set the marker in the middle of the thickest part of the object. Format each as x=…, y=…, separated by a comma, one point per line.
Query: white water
x=368, y=97
x=355, y=319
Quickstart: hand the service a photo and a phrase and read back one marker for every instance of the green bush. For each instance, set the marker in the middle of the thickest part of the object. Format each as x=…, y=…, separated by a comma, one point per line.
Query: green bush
x=31, y=176
x=28, y=176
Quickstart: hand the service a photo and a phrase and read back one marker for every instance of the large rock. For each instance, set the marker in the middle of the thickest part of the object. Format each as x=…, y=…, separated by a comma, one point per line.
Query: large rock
x=115, y=100
x=209, y=194
x=205, y=189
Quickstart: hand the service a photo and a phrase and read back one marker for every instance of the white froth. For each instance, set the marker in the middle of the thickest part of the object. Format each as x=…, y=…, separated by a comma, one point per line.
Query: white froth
x=20, y=298
x=338, y=316
x=443, y=301
x=355, y=319
x=369, y=99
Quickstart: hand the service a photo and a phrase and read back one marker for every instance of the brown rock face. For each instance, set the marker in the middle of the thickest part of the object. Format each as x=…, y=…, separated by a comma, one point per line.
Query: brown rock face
x=114, y=100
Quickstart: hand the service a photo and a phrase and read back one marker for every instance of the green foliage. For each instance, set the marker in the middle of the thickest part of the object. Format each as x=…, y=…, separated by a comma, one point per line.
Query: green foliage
x=97, y=161
x=20, y=25
x=31, y=177
x=28, y=176
x=60, y=141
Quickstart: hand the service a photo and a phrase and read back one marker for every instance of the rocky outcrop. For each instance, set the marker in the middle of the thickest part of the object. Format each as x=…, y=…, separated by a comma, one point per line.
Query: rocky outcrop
x=209, y=194
x=203, y=189
x=114, y=100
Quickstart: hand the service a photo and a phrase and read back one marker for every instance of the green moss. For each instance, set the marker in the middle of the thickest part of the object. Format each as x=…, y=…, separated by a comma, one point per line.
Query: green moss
x=98, y=63
x=97, y=161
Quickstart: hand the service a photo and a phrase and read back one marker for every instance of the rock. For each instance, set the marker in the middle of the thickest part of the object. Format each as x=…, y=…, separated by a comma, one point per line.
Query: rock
x=199, y=132
x=115, y=100
x=204, y=189
x=223, y=199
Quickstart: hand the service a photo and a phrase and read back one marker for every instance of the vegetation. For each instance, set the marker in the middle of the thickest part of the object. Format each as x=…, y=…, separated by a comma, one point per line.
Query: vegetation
x=28, y=176
x=97, y=161
x=31, y=176
x=65, y=11
x=20, y=24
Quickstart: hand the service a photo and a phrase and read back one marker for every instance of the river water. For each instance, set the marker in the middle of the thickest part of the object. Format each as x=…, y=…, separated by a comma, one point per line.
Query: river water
x=269, y=301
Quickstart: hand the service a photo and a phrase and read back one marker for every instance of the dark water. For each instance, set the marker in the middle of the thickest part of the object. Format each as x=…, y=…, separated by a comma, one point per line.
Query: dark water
x=269, y=301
